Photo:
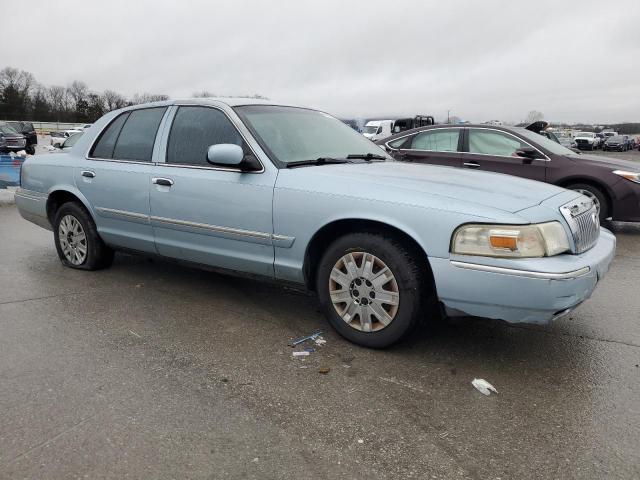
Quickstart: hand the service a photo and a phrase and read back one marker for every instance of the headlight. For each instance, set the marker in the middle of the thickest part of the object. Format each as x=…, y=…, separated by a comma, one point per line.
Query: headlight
x=543, y=239
x=634, y=177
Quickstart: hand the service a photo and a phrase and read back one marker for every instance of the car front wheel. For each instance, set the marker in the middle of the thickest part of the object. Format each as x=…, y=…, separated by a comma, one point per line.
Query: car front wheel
x=372, y=289
x=77, y=241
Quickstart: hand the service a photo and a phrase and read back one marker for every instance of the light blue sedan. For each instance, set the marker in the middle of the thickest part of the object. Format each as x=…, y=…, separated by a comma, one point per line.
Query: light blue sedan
x=295, y=195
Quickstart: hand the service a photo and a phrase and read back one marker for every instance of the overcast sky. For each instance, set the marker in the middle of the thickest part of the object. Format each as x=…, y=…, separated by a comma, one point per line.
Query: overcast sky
x=483, y=60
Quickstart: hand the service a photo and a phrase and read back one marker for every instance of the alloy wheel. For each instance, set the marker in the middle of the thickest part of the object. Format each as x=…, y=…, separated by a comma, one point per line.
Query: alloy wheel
x=73, y=240
x=364, y=291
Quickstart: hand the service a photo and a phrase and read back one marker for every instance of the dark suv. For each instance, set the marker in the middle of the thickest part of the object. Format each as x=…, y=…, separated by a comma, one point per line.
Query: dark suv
x=612, y=183
x=26, y=129
x=10, y=140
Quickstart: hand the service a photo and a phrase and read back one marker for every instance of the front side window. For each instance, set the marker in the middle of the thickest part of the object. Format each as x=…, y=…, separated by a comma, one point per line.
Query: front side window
x=493, y=142
x=437, y=140
x=294, y=134
x=194, y=130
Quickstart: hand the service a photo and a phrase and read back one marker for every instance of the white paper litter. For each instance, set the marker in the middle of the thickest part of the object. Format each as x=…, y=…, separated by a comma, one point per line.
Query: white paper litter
x=300, y=354
x=483, y=386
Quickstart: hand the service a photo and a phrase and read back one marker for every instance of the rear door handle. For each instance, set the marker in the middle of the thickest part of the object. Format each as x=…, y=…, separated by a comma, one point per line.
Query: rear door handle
x=471, y=165
x=165, y=182
x=88, y=174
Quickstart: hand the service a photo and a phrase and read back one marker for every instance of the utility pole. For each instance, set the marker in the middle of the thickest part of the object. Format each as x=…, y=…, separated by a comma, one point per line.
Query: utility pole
x=448, y=121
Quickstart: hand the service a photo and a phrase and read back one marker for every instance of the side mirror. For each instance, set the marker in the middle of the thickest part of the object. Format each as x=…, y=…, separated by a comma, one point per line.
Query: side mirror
x=528, y=153
x=225, y=154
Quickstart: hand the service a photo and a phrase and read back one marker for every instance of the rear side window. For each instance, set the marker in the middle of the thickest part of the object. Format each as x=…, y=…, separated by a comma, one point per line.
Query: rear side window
x=194, y=130
x=131, y=136
x=106, y=144
x=138, y=135
x=437, y=140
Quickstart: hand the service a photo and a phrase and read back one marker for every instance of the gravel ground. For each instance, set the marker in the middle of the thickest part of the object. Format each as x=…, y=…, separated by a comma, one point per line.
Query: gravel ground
x=153, y=370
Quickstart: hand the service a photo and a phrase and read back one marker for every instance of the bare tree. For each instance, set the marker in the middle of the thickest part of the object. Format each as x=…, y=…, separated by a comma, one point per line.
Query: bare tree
x=113, y=100
x=20, y=80
x=78, y=91
x=148, y=97
x=534, y=116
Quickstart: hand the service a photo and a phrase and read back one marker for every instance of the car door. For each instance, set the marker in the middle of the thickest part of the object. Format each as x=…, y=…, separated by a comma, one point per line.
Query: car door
x=495, y=151
x=116, y=175
x=437, y=146
x=210, y=214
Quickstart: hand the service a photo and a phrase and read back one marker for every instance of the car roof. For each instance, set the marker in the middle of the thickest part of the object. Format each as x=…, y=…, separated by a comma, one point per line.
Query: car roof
x=456, y=125
x=216, y=101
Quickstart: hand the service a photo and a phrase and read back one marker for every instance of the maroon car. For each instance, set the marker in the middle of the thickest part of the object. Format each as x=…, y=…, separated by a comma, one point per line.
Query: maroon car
x=613, y=184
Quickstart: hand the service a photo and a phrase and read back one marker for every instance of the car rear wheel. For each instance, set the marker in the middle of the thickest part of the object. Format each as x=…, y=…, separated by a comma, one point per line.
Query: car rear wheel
x=31, y=150
x=77, y=241
x=372, y=289
x=594, y=193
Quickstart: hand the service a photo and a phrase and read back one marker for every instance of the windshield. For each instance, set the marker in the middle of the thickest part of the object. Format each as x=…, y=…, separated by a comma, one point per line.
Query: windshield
x=615, y=139
x=291, y=134
x=585, y=134
x=370, y=129
x=7, y=130
x=544, y=142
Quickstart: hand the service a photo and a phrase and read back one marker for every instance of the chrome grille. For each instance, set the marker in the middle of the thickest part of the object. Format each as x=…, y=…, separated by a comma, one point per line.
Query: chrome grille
x=583, y=219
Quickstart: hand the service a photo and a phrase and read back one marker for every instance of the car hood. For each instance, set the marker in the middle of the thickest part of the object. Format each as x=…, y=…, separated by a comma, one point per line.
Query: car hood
x=606, y=162
x=401, y=181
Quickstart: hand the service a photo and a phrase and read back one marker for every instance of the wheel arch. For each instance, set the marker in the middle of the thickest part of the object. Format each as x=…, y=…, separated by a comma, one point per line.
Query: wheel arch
x=337, y=228
x=61, y=195
x=566, y=182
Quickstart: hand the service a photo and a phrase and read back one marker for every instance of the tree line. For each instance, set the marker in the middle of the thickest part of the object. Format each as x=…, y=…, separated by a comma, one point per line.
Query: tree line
x=23, y=98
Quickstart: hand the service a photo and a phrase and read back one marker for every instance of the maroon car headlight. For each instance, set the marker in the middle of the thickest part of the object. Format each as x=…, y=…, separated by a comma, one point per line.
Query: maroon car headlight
x=633, y=176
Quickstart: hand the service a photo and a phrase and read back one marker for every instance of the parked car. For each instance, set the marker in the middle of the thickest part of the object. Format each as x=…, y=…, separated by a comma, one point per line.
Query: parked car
x=615, y=143
x=600, y=138
x=68, y=143
x=629, y=142
x=294, y=194
x=10, y=139
x=377, y=129
x=612, y=184
x=58, y=138
x=403, y=124
x=586, y=140
x=30, y=135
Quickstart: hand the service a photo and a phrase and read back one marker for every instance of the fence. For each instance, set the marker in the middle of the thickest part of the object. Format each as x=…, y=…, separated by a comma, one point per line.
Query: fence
x=46, y=127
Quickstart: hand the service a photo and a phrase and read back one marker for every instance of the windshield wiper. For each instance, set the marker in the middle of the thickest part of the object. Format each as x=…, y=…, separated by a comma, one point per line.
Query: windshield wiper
x=317, y=161
x=366, y=156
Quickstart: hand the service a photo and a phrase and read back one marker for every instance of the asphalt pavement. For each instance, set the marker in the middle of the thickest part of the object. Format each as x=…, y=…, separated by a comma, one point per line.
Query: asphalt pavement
x=154, y=370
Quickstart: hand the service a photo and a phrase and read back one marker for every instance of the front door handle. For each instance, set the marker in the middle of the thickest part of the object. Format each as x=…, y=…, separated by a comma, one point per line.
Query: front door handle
x=165, y=182
x=88, y=174
x=471, y=165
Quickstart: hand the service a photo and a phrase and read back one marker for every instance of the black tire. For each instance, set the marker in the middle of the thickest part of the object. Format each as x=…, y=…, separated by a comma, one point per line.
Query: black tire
x=415, y=289
x=602, y=198
x=31, y=150
x=98, y=254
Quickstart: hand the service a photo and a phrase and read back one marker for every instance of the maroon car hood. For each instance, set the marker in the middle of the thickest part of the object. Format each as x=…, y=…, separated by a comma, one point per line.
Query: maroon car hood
x=613, y=163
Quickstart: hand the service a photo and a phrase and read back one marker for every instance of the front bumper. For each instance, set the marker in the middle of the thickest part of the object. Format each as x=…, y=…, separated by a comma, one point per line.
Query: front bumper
x=546, y=289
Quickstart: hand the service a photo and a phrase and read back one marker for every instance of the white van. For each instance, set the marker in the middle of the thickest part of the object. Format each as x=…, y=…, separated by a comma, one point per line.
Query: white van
x=377, y=129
